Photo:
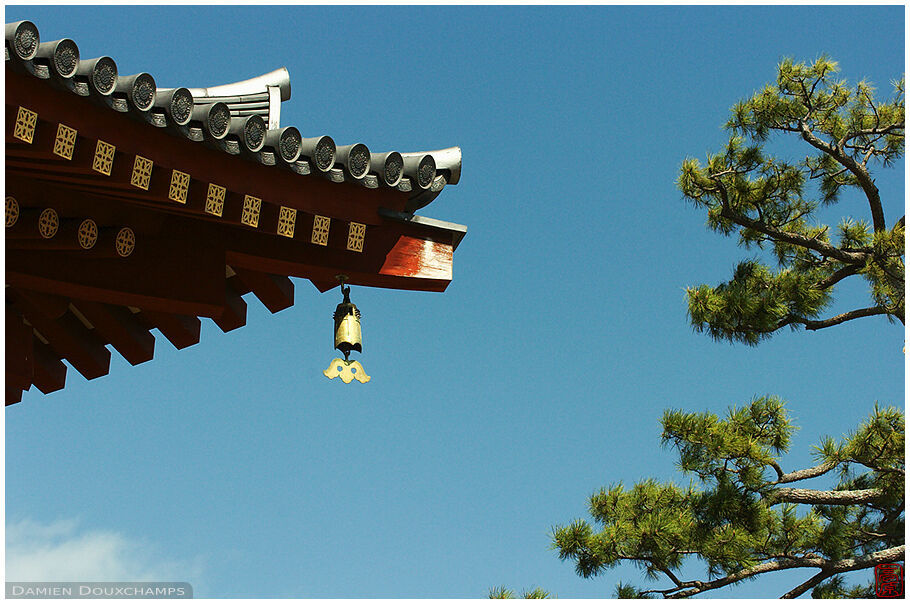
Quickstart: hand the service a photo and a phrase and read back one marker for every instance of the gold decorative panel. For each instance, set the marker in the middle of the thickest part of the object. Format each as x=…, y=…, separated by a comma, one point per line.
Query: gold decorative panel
x=142, y=172
x=287, y=217
x=87, y=234
x=65, y=142
x=356, y=234
x=251, y=207
x=320, y=230
x=48, y=223
x=104, y=158
x=180, y=186
x=26, y=120
x=12, y=211
x=125, y=242
x=214, y=200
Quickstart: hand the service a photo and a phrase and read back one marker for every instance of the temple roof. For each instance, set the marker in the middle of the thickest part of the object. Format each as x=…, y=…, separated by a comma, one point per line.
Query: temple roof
x=240, y=118
x=131, y=208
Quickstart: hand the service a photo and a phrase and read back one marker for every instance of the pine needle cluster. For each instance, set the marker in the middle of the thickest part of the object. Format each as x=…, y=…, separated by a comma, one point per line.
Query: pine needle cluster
x=503, y=593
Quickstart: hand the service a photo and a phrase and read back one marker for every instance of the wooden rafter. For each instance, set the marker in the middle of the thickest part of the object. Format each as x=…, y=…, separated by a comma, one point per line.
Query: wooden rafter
x=121, y=328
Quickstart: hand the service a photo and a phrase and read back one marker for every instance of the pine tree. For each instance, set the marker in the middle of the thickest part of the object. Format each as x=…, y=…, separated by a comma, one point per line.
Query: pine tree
x=742, y=514
x=767, y=201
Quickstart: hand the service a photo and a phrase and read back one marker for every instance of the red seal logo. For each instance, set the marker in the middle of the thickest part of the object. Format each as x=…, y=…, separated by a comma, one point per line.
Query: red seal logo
x=889, y=580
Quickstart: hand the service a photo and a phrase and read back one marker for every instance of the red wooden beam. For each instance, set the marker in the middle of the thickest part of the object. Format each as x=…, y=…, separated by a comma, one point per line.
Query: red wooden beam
x=384, y=261
x=52, y=307
x=276, y=292
x=50, y=372
x=68, y=337
x=118, y=326
x=13, y=395
x=79, y=172
x=323, y=277
x=419, y=258
x=234, y=313
x=180, y=330
x=73, y=202
x=19, y=352
x=166, y=275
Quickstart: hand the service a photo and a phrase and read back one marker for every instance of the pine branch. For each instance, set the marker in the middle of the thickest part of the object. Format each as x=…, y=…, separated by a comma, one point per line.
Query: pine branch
x=869, y=132
x=858, y=171
x=812, y=325
x=666, y=592
x=803, y=474
x=838, y=276
x=672, y=577
x=826, y=249
x=892, y=554
x=812, y=496
x=804, y=587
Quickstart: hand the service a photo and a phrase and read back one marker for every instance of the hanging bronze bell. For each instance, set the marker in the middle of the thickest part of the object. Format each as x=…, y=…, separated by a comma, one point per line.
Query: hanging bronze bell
x=347, y=338
x=347, y=325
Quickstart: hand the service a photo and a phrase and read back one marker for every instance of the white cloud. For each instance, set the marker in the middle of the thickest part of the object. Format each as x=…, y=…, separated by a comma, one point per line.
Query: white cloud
x=62, y=551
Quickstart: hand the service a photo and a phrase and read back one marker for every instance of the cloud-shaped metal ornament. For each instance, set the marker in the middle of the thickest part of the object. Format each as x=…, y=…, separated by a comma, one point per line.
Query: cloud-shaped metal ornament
x=347, y=371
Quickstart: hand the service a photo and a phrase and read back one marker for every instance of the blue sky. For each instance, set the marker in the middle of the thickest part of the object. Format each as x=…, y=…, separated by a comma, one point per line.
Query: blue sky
x=497, y=407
